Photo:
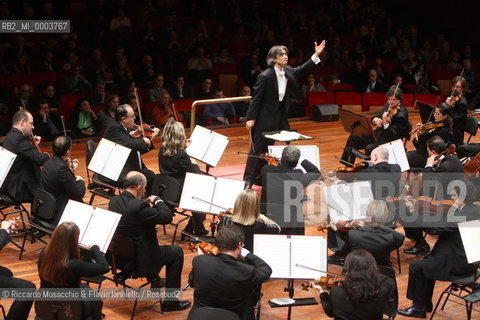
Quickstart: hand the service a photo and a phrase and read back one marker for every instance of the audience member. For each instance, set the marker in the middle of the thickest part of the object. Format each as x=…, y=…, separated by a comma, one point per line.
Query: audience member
x=47, y=125
x=219, y=112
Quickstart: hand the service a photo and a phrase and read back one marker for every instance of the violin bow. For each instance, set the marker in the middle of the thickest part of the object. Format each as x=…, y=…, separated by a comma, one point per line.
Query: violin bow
x=175, y=116
x=63, y=125
x=313, y=269
x=139, y=110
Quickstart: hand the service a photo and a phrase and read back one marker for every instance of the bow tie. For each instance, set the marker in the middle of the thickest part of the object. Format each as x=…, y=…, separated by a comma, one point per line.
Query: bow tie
x=281, y=73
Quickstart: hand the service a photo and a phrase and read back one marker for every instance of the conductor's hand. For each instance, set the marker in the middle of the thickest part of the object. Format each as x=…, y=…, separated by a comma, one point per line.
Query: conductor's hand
x=249, y=124
x=319, y=48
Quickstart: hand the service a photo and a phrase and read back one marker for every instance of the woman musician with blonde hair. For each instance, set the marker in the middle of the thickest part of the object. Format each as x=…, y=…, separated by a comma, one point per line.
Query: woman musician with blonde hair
x=246, y=214
x=174, y=161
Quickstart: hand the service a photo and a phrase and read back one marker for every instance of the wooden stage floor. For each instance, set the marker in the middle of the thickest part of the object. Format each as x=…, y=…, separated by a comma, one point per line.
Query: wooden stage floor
x=330, y=138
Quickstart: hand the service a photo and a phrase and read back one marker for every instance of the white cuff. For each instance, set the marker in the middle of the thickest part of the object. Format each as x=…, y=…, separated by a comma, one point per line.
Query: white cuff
x=315, y=59
x=385, y=126
x=244, y=252
x=159, y=200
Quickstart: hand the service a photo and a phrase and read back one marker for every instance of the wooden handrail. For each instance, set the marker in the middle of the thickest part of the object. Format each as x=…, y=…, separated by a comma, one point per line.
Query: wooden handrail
x=208, y=101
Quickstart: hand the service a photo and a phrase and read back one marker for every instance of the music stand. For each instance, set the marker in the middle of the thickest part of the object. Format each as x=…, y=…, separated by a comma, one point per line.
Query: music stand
x=356, y=124
x=425, y=110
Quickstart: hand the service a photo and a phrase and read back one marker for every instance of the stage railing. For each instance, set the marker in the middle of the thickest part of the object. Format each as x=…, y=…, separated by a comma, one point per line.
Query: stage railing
x=196, y=103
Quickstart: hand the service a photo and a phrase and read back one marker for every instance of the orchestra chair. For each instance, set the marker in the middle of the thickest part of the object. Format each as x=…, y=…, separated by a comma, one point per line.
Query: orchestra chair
x=471, y=127
x=456, y=287
x=392, y=306
x=170, y=190
x=120, y=252
x=9, y=206
x=208, y=313
x=95, y=186
x=43, y=210
x=59, y=310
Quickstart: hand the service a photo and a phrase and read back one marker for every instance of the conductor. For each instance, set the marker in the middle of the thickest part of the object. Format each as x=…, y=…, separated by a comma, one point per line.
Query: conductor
x=268, y=108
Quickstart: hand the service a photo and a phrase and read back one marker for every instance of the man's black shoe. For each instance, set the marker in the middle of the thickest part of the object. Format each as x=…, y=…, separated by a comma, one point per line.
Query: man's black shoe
x=418, y=251
x=176, y=305
x=412, y=312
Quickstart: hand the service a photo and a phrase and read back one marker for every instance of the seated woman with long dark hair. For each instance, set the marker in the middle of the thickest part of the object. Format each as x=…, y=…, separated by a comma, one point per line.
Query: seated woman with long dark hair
x=59, y=265
x=246, y=214
x=364, y=293
x=174, y=161
x=442, y=117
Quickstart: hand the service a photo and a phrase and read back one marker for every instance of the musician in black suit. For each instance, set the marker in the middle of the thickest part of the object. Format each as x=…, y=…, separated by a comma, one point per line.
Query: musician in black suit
x=365, y=293
x=375, y=237
x=19, y=309
x=447, y=260
x=383, y=176
x=23, y=179
x=440, y=170
x=229, y=279
x=268, y=110
x=443, y=117
x=118, y=132
x=389, y=126
x=459, y=105
x=138, y=222
x=274, y=181
x=58, y=177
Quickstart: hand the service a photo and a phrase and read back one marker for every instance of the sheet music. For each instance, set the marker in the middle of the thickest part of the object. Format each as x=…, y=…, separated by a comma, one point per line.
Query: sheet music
x=285, y=135
x=362, y=196
x=340, y=202
x=283, y=252
x=206, y=145
x=226, y=193
x=6, y=160
x=109, y=159
x=470, y=233
x=310, y=251
x=309, y=152
x=348, y=201
x=275, y=251
x=79, y=213
x=101, y=228
x=397, y=154
x=197, y=186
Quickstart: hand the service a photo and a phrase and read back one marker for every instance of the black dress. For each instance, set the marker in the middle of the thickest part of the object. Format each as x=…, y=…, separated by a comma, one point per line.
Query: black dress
x=78, y=269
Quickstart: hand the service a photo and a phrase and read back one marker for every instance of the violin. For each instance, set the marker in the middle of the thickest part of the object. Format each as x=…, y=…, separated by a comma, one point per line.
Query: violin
x=425, y=128
x=343, y=226
x=471, y=166
x=392, y=109
x=143, y=130
x=205, y=247
x=328, y=282
x=270, y=158
x=427, y=204
x=451, y=150
x=356, y=167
